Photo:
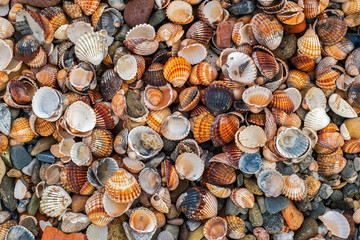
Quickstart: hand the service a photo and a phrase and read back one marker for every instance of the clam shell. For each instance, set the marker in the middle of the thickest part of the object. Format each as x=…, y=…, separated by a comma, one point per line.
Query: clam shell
x=55, y=15
x=203, y=73
x=110, y=84
x=352, y=146
x=218, y=97
x=189, y=166
x=220, y=174
x=21, y=130
x=130, y=67
x=94, y=209
x=270, y=35
x=331, y=30
x=177, y=70
x=332, y=163
x=47, y=103
x=175, y=127
x=137, y=138
x=6, y=51
x=100, y=142
x=241, y=68
x=150, y=180
x=356, y=216
x=339, y=106
x=242, y=198
x=73, y=177
x=223, y=129
x=257, y=98
x=336, y=223
x=133, y=165
x=252, y=137
x=215, y=228
x=210, y=12
x=80, y=116
x=80, y=154
x=77, y=29
x=143, y=220
x=179, y=12
x=298, y=79
x=169, y=175
x=291, y=143
x=316, y=119
x=91, y=47
x=161, y=200
x=189, y=99
x=271, y=182
x=201, y=127
x=157, y=98
x=122, y=187
x=6, y=29
x=236, y=227
x=101, y=171
x=218, y=191
x=197, y=203
x=4, y=228
x=154, y=75
x=295, y=188
x=194, y=53
x=250, y=163
x=54, y=201
x=200, y=32
x=314, y=98
x=114, y=209
x=282, y=101
x=309, y=44
x=19, y=232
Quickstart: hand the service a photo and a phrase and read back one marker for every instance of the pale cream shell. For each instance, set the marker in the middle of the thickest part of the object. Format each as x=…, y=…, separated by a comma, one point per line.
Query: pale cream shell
x=75, y=30
x=341, y=107
x=80, y=117
x=126, y=67
x=252, y=136
x=314, y=98
x=142, y=30
x=142, y=220
x=336, y=223
x=193, y=53
x=91, y=47
x=54, y=201
x=234, y=63
x=6, y=53
x=189, y=166
x=316, y=119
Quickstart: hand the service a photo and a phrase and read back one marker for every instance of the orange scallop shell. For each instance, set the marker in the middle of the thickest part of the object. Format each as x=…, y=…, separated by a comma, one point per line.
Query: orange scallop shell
x=21, y=130
x=352, y=146
x=157, y=118
x=256, y=118
x=47, y=76
x=303, y=62
x=100, y=142
x=328, y=142
x=298, y=79
x=88, y=6
x=203, y=73
x=295, y=188
x=3, y=143
x=73, y=177
x=223, y=129
x=43, y=127
x=189, y=99
x=242, y=198
x=169, y=175
x=201, y=127
x=177, y=70
x=56, y=17
x=95, y=210
x=281, y=101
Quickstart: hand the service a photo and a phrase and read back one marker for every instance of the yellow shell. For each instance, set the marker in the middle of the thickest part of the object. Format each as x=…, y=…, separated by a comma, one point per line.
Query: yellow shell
x=309, y=44
x=177, y=70
x=21, y=130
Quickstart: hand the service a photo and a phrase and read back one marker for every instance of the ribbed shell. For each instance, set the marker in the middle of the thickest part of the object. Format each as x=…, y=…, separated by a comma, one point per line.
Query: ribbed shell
x=197, y=203
x=218, y=97
x=6, y=29
x=332, y=163
x=47, y=76
x=339, y=106
x=219, y=191
x=142, y=46
x=104, y=116
x=100, y=142
x=189, y=166
x=267, y=30
x=56, y=16
x=200, y=32
x=295, y=188
x=88, y=6
x=157, y=118
x=161, y=200
x=250, y=163
x=298, y=79
x=312, y=185
x=336, y=223
x=271, y=182
x=73, y=177
x=189, y=98
x=43, y=127
x=223, y=129
x=21, y=130
x=351, y=7
x=242, y=198
x=233, y=154
x=331, y=30
x=169, y=175
x=316, y=119
x=220, y=174
x=281, y=101
x=4, y=228
x=257, y=98
x=95, y=210
x=177, y=70
x=303, y=63
x=252, y=136
x=265, y=62
x=203, y=74
x=54, y=201
x=236, y=227
x=122, y=187
x=352, y=146
x=27, y=49
x=328, y=142
x=309, y=44
x=109, y=85
x=91, y=47
x=352, y=63
x=291, y=143
x=340, y=50
x=215, y=228
x=154, y=75
x=201, y=127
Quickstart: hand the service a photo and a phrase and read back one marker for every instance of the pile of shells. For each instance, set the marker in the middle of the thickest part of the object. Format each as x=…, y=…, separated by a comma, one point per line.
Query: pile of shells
x=179, y=119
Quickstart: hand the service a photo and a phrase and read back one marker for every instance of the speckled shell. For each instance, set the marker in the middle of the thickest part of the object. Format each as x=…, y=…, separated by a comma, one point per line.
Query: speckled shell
x=54, y=201
x=351, y=7
x=312, y=185
x=223, y=129
x=122, y=187
x=351, y=146
x=88, y=6
x=200, y=32
x=72, y=9
x=56, y=16
x=169, y=175
x=21, y=130
x=73, y=177
x=220, y=174
x=100, y=142
x=236, y=227
x=309, y=44
x=281, y=101
x=295, y=188
x=95, y=210
x=332, y=163
x=203, y=74
x=267, y=30
x=242, y=198
x=197, y=203
x=177, y=70
x=215, y=228
x=201, y=127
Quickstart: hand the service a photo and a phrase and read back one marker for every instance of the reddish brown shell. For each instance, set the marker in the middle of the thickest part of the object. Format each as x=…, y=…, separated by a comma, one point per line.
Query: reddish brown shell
x=267, y=30
x=203, y=73
x=331, y=30
x=95, y=210
x=201, y=126
x=242, y=198
x=223, y=129
x=298, y=79
x=177, y=70
x=56, y=16
x=88, y=6
x=73, y=177
x=104, y=117
x=312, y=185
x=200, y=32
x=281, y=101
x=189, y=99
x=328, y=142
x=43, y=127
x=47, y=76
x=220, y=174
x=352, y=146
x=169, y=175
x=256, y=118
x=265, y=61
x=100, y=142
x=154, y=75
x=3, y=143
x=233, y=154
x=332, y=163
x=303, y=62
x=21, y=130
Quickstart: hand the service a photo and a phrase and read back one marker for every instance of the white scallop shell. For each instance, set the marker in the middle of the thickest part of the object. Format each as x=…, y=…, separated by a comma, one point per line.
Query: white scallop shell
x=126, y=67
x=6, y=28
x=91, y=47
x=315, y=98
x=134, y=141
x=291, y=143
x=76, y=30
x=54, y=201
x=80, y=154
x=175, y=127
x=47, y=103
x=80, y=117
x=316, y=119
x=341, y=107
x=193, y=53
x=141, y=31
x=336, y=223
x=241, y=68
x=61, y=32
x=263, y=96
x=189, y=166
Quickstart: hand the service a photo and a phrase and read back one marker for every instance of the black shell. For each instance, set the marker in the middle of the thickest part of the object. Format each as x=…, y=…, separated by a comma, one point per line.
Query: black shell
x=109, y=85
x=218, y=98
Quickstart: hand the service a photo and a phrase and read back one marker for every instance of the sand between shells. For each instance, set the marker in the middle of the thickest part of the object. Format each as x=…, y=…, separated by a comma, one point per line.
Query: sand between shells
x=189, y=120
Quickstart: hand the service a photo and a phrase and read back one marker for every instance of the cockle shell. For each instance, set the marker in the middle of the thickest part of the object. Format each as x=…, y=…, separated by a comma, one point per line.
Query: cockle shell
x=114, y=209
x=91, y=47
x=142, y=220
x=257, y=98
x=6, y=51
x=179, y=12
x=150, y=180
x=267, y=30
x=177, y=70
x=95, y=210
x=21, y=130
x=314, y=98
x=223, y=129
x=241, y=68
x=6, y=29
x=236, y=227
x=200, y=32
x=250, y=163
x=189, y=166
x=336, y=223
x=215, y=228
x=201, y=127
x=19, y=232
x=316, y=119
x=291, y=143
x=88, y=6
x=252, y=137
x=175, y=127
x=169, y=175
x=145, y=142
x=192, y=51
x=242, y=198
x=54, y=201
x=271, y=182
x=309, y=44
x=339, y=106
x=295, y=188
x=211, y=12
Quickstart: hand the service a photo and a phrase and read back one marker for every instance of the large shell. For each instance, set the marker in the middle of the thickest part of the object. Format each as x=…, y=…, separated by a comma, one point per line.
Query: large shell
x=295, y=188
x=331, y=30
x=242, y=198
x=201, y=127
x=223, y=129
x=257, y=98
x=316, y=119
x=177, y=70
x=215, y=228
x=350, y=7
x=197, y=203
x=47, y=103
x=271, y=182
x=250, y=163
x=142, y=220
x=339, y=106
x=21, y=130
x=91, y=47
x=220, y=174
x=236, y=227
x=122, y=187
x=267, y=30
x=19, y=232
x=309, y=44
x=54, y=201
x=189, y=166
x=145, y=142
x=73, y=177
x=218, y=97
x=150, y=180
x=95, y=210
x=241, y=68
x=282, y=101
x=291, y=143
x=336, y=223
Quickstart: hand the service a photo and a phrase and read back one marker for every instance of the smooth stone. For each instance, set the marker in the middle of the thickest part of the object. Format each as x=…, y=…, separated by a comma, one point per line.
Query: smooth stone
x=28, y=169
x=273, y=223
x=249, y=226
x=248, y=237
x=343, y=204
x=176, y=221
x=287, y=47
x=193, y=225
x=351, y=190
x=325, y=191
x=242, y=8
x=173, y=212
x=116, y=230
x=174, y=230
x=348, y=170
x=42, y=145
x=261, y=202
x=354, y=38
x=274, y=205
x=35, y=178
x=33, y=205
x=284, y=236
x=223, y=34
x=304, y=205
x=292, y=216
x=221, y=203
x=14, y=173
x=308, y=229
x=37, y=3
x=138, y=12
x=304, y=164
x=337, y=195
x=184, y=232
x=20, y=157
x=158, y=17
x=7, y=193
x=46, y=157
x=51, y=233
x=155, y=162
x=165, y=235
x=4, y=216
x=78, y=203
x=318, y=209
x=231, y=208
x=74, y=222
x=255, y=216
x=357, y=164
x=284, y=168
x=251, y=185
x=197, y=234
x=239, y=180
x=169, y=146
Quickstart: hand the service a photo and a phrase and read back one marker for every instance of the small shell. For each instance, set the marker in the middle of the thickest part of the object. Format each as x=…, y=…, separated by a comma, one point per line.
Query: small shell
x=142, y=220
x=95, y=233
x=6, y=29
x=169, y=32
x=339, y=106
x=241, y=68
x=161, y=200
x=330, y=164
x=295, y=188
x=110, y=84
x=56, y=16
x=269, y=36
x=47, y=76
x=192, y=51
x=72, y=9
x=122, y=187
x=88, y=6
x=100, y=142
x=29, y=50
x=281, y=101
x=54, y=201
x=21, y=130
x=356, y=216
x=236, y=227
x=203, y=73
x=157, y=98
x=189, y=98
x=150, y=180
x=309, y=44
x=271, y=182
x=250, y=163
x=252, y=137
x=130, y=67
x=189, y=166
x=73, y=177
x=101, y=171
x=114, y=209
x=61, y=32
x=340, y=50
x=47, y=103
x=81, y=154
x=201, y=127
x=200, y=32
x=218, y=97
x=336, y=223
x=211, y=12
x=145, y=142
x=223, y=129
x=169, y=174
x=303, y=62
x=314, y=98
x=220, y=174
x=215, y=228
x=175, y=127
x=19, y=232
x=133, y=165
x=142, y=46
x=219, y=191
x=177, y=70
x=94, y=209
x=291, y=143
x=316, y=119
x=298, y=79
x=242, y=198
x=91, y=47
x=179, y=12
x=257, y=98
x=75, y=30
x=352, y=146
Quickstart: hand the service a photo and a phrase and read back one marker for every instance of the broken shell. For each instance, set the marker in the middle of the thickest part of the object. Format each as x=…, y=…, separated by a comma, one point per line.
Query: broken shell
x=250, y=163
x=161, y=200
x=94, y=209
x=215, y=228
x=192, y=51
x=241, y=68
x=336, y=223
x=295, y=188
x=257, y=98
x=189, y=166
x=142, y=220
x=314, y=98
x=80, y=154
x=145, y=142
x=341, y=107
x=54, y=201
x=236, y=227
x=157, y=98
x=169, y=175
x=271, y=182
x=114, y=209
x=101, y=171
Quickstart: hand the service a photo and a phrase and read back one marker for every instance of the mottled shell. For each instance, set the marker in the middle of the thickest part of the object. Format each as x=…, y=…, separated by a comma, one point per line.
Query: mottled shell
x=95, y=210
x=350, y=7
x=332, y=163
x=271, y=182
x=267, y=30
x=220, y=174
x=201, y=125
x=242, y=198
x=21, y=130
x=295, y=188
x=215, y=228
x=303, y=62
x=312, y=185
x=54, y=201
x=309, y=44
x=281, y=101
x=169, y=175
x=330, y=30
x=177, y=70
x=88, y=6
x=73, y=177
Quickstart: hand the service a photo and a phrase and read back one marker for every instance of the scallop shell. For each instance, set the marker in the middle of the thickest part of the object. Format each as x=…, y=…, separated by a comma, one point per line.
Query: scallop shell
x=54, y=201
x=257, y=98
x=91, y=47
x=179, y=12
x=309, y=44
x=218, y=191
x=100, y=142
x=316, y=119
x=109, y=85
x=267, y=30
x=73, y=177
x=201, y=127
x=203, y=73
x=197, y=203
x=143, y=220
x=218, y=97
x=21, y=130
x=271, y=182
x=350, y=7
x=189, y=166
x=331, y=30
x=47, y=76
x=169, y=175
x=295, y=188
x=242, y=198
x=339, y=106
x=175, y=127
x=81, y=154
x=154, y=75
x=241, y=68
x=352, y=146
x=88, y=6
x=200, y=32
x=4, y=228
x=236, y=227
x=95, y=210
x=192, y=51
x=56, y=16
x=314, y=98
x=6, y=29
x=223, y=129
x=215, y=228
x=298, y=79
x=336, y=223
x=282, y=101
x=161, y=200
x=145, y=142
x=177, y=70
x=150, y=180
x=114, y=209
x=291, y=143
x=250, y=163
x=47, y=103
x=29, y=50
x=252, y=137
x=220, y=174
x=189, y=99
x=95, y=233
x=75, y=115
x=19, y=232
x=303, y=62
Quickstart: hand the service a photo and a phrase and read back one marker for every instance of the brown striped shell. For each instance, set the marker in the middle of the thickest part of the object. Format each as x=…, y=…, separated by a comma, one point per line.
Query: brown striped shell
x=200, y=32
x=242, y=198
x=189, y=98
x=56, y=16
x=295, y=188
x=330, y=30
x=351, y=146
x=223, y=129
x=340, y=50
x=95, y=210
x=21, y=130
x=265, y=61
x=100, y=142
x=73, y=177
x=201, y=127
x=332, y=163
x=281, y=101
x=169, y=175
x=104, y=116
x=220, y=174
x=88, y=6
x=236, y=227
x=303, y=62
x=177, y=70
x=298, y=79
x=215, y=228
x=203, y=74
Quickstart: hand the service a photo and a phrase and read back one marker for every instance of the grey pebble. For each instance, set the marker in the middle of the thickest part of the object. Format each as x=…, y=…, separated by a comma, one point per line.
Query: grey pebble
x=255, y=216
x=274, y=205
x=165, y=235
x=174, y=230
x=284, y=168
x=284, y=236
x=318, y=209
x=273, y=223
x=7, y=193
x=351, y=190
x=46, y=157
x=4, y=216
x=157, y=17
x=357, y=164
x=308, y=229
x=348, y=170
x=261, y=202
x=20, y=157
x=337, y=195
x=325, y=191
x=193, y=225
x=231, y=208
x=242, y=8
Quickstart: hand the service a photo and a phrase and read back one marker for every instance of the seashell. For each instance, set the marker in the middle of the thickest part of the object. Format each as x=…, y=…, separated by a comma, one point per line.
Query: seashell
x=56, y=17
x=197, y=203
x=351, y=63
x=241, y=146
x=3, y=143
x=81, y=78
x=271, y=182
x=223, y=129
x=109, y=19
x=200, y=32
x=327, y=73
x=295, y=97
x=177, y=70
x=328, y=142
x=265, y=62
x=356, y=216
x=291, y=143
x=281, y=101
x=189, y=166
x=95, y=233
x=12, y=12
x=29, y=50
x=19, y=232
x=47, y=103
x=77, y=29
x=316, y=119
x=91, y=47
x=47, y=76
x=6, y=29
x=314, y=98
x=110, y=84
x=104, y=116
x=187, y=145
x=130, y=67
x=143, y=220
x=150, y=180
x=336, y=223
x=252, y=136
x=351, y=146
x=100, y=142
x=81, y=154
x=210, y=12
x=75, y=115
x=179, y=12
x=350, y=7
x=161, y=200
x=41, y=126
x=303, y=63
x=241, y=68
x=257, y=98
x=203, y=74
x=219, y=191
x=215, y=228
x=169, y=175
x=352, y=20
x=236, y=227
x=4, y=228
x=73, y=177
x=242, y=198
x=157, y=118
x=72, y=9
x=88, y=6
x=295, y=188
x=341, y=107
x=7, y=52
x=154, y=75
x=236, y=36
x=309, y=44
x=331, y=30
x=270, y=36
x=250, y=163
x=332, y=163
x=101, y=171
x=298, y=79
x=20, y=190
x=113, y=208
x=95, y=210
x=145, y=142
x=157, y=98
x=122, y=187
x=141, y=46
x=218, y=97
x=175, y=127
x=54, y=201
x=201, y=127
x=189, y=98
x=133, y=165
x=352, y=94
x=340, y=50
x=220, y=174
x=192, y=51
x=170, y=33
x=21, y=130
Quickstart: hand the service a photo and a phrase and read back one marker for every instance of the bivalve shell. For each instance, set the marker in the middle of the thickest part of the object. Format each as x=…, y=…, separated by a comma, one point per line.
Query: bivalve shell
x=177, y=70
x=309, y=44
x=295, y=188
x=336, y=223
x=257, y=98
x=91, y=47
x=145, y=142
x=316, y=119
x=95, y=210
x=242, y=198
x=236, y=227
x=215, y=228
x=179, y=12
x=292, y=143
x=267, y=30
x=241, y=68
x=271, y=182
x=339, y=106
x=54, y=201
x=150, y=180
x=143, y=220
x=189, y=166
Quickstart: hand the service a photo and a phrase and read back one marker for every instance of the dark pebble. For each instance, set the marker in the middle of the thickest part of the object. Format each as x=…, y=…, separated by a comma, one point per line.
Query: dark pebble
x=242, y=8
x=284, y=168
x=337, y=195
x=169, y=145
x=304, y=164
x=348, y=170
x=20, y=157
x=343, y=205
x=303, y=205
x=273, y=223
x=351, y=190
x=46, y=157
x=274, y=205
x=308, y=229
x=157, y=18
x=7, y=193
x=318, y=209
x=287, y=47
x=138, y=12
